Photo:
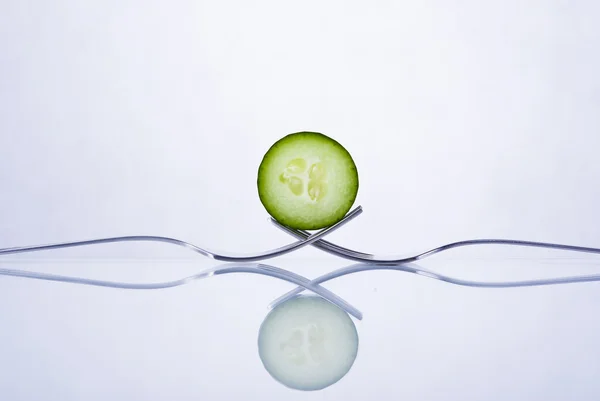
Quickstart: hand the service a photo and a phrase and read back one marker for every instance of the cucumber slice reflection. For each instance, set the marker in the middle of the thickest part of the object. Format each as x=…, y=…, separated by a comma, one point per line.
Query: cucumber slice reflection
x=307, y=343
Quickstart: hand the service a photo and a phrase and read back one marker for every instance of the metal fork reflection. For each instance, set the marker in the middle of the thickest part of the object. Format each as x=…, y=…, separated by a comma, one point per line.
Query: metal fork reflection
x=228, y=268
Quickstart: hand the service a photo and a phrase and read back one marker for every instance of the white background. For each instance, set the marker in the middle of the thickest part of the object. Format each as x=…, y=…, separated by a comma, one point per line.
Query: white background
x=466, y=119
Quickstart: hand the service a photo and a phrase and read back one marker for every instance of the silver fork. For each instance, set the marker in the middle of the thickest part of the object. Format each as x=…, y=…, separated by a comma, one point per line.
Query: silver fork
x=395, y=260
x=309, y=239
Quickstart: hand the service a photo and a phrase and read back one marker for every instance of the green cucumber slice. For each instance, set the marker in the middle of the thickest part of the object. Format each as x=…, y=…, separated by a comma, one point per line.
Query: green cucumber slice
x=307, y=181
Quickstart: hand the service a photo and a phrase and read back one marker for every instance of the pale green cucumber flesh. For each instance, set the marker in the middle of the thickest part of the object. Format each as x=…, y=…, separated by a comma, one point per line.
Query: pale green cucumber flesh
x=307, y=181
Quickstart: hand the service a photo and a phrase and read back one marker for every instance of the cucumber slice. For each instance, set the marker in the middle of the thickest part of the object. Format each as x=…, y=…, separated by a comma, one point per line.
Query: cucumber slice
x=307, y=343
x=307, y=181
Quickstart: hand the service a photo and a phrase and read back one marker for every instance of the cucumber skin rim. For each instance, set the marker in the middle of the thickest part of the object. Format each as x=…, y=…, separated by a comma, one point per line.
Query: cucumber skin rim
x=320, y=224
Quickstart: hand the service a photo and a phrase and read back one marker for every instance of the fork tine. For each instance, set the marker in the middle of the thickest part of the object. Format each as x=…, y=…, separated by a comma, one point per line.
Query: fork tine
x=211, y=254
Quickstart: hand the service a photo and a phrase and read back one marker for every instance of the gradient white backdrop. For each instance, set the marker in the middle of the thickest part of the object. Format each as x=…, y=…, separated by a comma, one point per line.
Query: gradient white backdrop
x=466, y=119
